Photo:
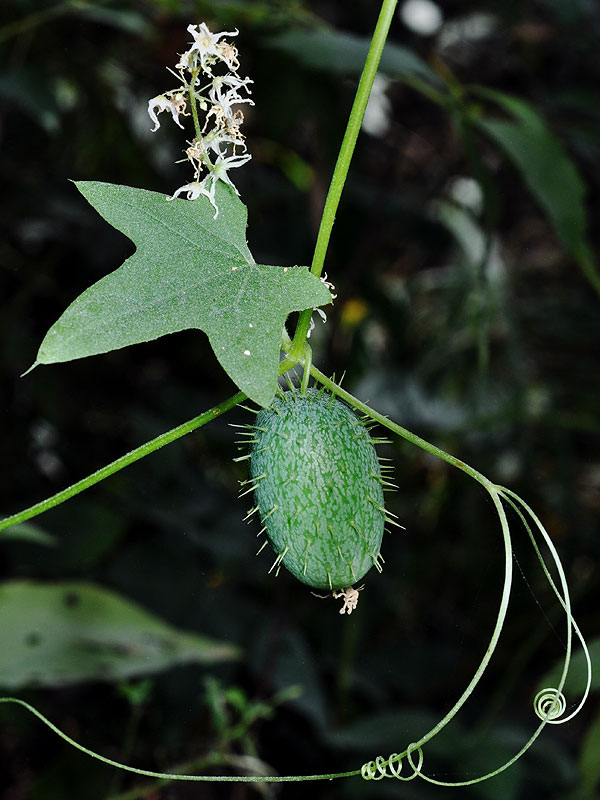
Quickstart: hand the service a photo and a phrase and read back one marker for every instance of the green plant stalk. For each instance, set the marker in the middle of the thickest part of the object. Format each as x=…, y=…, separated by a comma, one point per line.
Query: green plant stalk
x=297, y=352
x=404, y=433
x=491, y=489
x=134, y=455
x=344, y=158
x=195, y=765
x=123, y=461
x=222, y=756
x=194, y=107
x=175, y=777
x=497, y=494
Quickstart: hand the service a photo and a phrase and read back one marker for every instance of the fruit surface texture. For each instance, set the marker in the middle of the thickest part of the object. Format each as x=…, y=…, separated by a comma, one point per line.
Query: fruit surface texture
x=318, y=488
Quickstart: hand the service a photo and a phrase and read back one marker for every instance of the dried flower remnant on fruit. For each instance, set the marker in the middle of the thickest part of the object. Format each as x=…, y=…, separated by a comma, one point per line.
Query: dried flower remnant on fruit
x=218, y=144
x=350, y=598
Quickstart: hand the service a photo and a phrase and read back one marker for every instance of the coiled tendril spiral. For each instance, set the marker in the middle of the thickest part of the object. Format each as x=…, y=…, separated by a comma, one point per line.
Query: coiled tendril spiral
x=550, y=704
x=391, y=767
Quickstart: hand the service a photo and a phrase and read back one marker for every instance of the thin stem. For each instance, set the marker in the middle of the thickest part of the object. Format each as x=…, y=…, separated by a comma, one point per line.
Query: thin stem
x=552, y=713
x=415, y=747
x=514, y=500
x=123, y=461
x=135, y=455
x=176, y=777
x=400, y=431
x=194, y=107
x=497, y=628
x=306, y=369
x=345, y=156
x=195, y=765
x=497, y=494
x=494, y=494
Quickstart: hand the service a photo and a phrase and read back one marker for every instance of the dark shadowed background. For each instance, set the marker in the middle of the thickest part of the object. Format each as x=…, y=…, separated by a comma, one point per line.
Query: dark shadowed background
x=468, y=310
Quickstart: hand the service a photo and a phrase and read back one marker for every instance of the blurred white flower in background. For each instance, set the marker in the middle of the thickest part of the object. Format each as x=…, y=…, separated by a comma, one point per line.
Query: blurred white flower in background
x=376, y=120
x=423, y=17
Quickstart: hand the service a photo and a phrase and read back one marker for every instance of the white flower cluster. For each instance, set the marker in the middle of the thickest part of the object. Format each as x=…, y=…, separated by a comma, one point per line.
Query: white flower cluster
x=219, y=145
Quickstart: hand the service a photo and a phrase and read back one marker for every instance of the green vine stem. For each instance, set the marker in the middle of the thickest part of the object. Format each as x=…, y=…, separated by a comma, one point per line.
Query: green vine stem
x=520, y=506
x=135, y=455
x=171, y=776
x=193, y=105
x=344, y=158
x=404, y=433
x=549, y=703
x=494, y=494
x=123, y=461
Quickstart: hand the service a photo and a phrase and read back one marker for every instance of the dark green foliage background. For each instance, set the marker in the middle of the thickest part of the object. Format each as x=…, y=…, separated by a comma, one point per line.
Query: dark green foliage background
x=500, y=366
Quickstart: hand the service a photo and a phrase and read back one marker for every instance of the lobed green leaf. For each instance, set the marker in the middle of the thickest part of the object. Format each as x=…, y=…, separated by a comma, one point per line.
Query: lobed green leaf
x=189, y=271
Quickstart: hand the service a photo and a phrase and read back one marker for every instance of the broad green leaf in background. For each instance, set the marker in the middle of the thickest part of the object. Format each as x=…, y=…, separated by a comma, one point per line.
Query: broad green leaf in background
x=27, y=532
x=64, y=633
x=577, y=675
x=126, y=19
x=189, y=271
x=337, y=51
x=34, y=94
x=547, y=170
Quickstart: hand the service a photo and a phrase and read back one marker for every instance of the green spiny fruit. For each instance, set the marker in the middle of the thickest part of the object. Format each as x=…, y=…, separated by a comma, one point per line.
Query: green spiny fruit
x=318, y=488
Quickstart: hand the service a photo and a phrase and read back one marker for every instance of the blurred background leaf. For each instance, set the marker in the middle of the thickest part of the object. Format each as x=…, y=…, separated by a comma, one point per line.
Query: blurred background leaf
x=59, y=634
x=329, y=51
x=28, y=532
x=548, y=172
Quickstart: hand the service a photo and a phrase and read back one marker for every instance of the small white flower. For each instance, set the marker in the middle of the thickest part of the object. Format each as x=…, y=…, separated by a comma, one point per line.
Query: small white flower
x=187, y=61
x=329, y=285
x=223, y=102
x=234, y=83
x=222, y=147
x=229, y=54
x=323, y=316
x=208, y=185
x=222, y=164
x=217, y=138
x=207, y=47
x=193, y=191
x=175, y=104
x=219, y=173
